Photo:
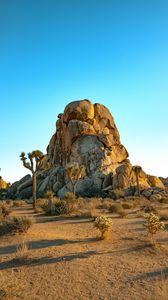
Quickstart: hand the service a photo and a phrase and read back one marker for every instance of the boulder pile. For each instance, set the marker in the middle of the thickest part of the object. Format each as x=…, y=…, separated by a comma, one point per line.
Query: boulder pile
x=87, y=134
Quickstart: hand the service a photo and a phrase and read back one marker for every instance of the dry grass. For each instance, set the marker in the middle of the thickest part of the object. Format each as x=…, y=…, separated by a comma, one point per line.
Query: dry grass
x=5, y=210
x=22, y=252
x=122, y=213
x=161, y=288
x=164, y=216
x=138, y=201
x=115, y=208
x=127, y=205
x=18, y=203
x=10, y=286
x=164, y=199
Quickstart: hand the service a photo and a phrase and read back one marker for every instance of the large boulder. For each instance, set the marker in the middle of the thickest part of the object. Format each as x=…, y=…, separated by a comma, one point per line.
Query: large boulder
x=164, y=181
x=79, y=110
x=25, y=193
x=25, y=184
x=13, y=189
x=155, y=182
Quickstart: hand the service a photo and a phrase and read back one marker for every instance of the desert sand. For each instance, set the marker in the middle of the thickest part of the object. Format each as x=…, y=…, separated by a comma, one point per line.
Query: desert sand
x=67, y=261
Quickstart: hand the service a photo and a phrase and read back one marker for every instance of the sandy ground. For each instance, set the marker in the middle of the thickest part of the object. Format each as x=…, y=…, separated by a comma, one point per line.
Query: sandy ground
x=67, y=261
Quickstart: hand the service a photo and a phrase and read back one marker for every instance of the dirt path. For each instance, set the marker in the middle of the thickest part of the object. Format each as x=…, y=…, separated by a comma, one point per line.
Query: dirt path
x=66, y=261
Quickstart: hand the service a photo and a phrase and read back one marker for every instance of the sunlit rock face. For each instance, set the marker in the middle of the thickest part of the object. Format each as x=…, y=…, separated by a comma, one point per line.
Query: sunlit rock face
x=86, y=133
x=3, y=183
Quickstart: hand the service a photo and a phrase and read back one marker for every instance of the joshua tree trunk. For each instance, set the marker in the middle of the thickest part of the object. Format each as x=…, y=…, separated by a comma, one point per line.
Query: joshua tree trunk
x=137, y=180
x=74, y=188
x=137, y=170
x=34, y=189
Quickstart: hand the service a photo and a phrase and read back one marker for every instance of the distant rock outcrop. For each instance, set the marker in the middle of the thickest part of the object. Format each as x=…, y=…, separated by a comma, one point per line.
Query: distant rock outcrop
x=3, y=184
x=86, y=133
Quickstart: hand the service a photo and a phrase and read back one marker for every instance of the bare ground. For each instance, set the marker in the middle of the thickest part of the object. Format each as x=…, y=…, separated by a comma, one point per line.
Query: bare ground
x=67, y=261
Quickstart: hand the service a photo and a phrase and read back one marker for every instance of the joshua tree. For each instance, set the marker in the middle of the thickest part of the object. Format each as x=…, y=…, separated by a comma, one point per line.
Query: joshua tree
x=137, y=170
x=34, y=164
x=75, y=172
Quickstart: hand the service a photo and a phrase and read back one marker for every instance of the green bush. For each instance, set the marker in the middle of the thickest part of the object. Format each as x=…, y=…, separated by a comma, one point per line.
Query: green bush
x=16, y=225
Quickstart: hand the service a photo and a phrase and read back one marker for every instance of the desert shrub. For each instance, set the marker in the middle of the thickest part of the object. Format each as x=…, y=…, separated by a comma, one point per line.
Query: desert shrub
x=87, y=207
x=5, y=210
x=60, y=207
x=119, y=193
x=69, y=196
x=164, y=199
x=153, y=224
x=39, y=210
x=164, y=216
x=150, y=209
x=115, y=208
x=9, y=202
x=138, y=201
x=127, y=205
x=41, y=201
x=85, y=214
x=45, y=208
x=16, y=225
x=49, y=194
x=103, y=224
x=104, y=203
x=70, y=202
x=122, y=213
x=18, y=203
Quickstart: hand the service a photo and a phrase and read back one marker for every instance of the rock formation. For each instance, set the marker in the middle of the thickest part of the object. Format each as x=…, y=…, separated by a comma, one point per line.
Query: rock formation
x=86, y=133
x=3, y=184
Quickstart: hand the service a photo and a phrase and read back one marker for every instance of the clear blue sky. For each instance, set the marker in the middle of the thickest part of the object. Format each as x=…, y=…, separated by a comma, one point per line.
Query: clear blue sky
x=56, y=51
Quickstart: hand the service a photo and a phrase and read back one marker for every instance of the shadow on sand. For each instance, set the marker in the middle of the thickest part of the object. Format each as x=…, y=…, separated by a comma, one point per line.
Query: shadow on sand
x=159, y=275
x=39, y=244
x=72, y=256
